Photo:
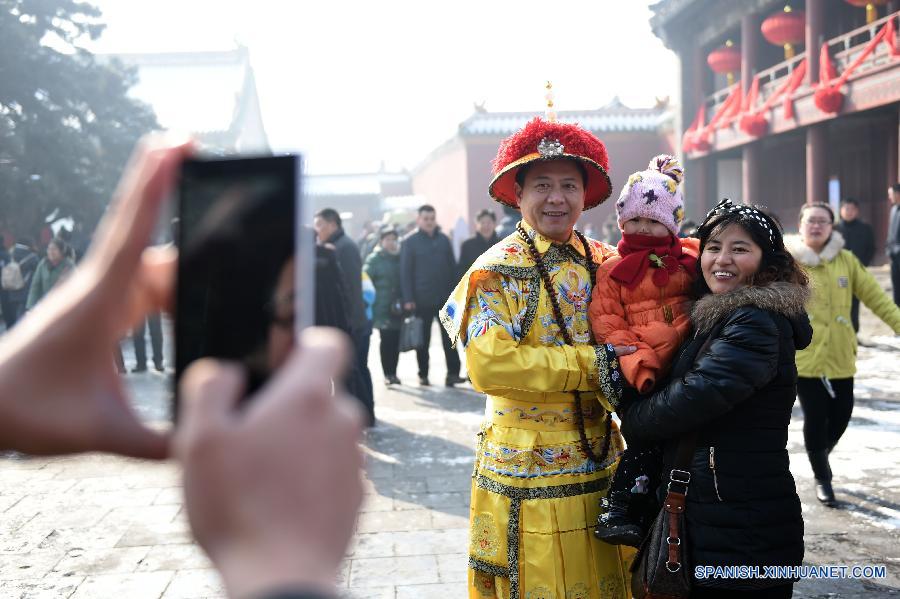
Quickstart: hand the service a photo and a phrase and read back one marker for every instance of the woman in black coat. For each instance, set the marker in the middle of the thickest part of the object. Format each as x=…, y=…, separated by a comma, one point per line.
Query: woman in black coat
x=734, y=386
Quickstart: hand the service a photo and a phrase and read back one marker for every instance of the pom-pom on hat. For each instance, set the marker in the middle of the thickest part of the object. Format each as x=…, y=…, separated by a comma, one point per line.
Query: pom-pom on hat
x=654, y=193
x=544, y=140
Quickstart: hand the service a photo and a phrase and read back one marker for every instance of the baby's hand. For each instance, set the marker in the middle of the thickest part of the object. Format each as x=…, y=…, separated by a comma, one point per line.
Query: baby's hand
x=624, y=350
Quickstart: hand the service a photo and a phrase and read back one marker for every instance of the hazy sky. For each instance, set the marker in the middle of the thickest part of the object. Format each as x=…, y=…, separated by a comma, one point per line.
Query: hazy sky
x=352, y=83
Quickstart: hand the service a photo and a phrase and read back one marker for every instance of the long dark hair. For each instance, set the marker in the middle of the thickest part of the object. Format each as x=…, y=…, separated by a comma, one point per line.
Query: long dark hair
x=777, y=264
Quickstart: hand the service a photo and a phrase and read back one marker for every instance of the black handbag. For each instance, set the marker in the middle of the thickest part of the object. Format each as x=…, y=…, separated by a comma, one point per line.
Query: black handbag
x=412, y=333
x=660, y=569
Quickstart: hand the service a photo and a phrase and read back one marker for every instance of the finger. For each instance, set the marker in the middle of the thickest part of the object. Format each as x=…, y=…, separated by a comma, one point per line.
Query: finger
x=160, y=265
x=322, y=356
x=208, y=393
x=351, y=412
x=155, y=288
x=148, y=179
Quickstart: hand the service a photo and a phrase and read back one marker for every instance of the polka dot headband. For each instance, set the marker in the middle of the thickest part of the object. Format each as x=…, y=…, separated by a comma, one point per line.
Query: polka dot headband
x=748, y=215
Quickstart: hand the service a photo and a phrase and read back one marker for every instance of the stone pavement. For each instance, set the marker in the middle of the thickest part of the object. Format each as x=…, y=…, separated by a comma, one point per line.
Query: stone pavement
x=101, y=526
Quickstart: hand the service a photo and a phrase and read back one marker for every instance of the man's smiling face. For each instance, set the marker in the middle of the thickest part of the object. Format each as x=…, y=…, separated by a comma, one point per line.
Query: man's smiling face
x=551, y=198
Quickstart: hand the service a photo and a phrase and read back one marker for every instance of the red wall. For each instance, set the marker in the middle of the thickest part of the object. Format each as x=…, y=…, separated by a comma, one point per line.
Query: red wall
x=442, y=182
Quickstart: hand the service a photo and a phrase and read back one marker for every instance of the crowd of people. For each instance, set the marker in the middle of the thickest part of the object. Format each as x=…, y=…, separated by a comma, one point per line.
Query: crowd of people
x=26, y=278
x=411, y=276
x=701, y=345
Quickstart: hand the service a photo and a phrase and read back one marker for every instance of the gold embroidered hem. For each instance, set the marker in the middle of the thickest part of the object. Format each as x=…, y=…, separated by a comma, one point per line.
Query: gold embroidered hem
x=535, y=499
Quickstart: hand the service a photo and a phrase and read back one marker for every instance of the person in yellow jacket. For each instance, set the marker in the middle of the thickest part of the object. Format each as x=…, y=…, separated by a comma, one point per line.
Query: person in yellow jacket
x=826, y=368
x=548, y=448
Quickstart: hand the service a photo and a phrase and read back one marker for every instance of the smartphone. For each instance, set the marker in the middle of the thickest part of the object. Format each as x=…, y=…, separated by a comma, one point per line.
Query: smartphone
x=243, y=289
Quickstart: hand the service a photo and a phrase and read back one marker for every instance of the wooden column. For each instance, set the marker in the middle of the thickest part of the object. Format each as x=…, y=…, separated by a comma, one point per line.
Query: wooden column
x=815, y=34
x=816, y=164
x=696, y=171
x=697, y=189
x=750, y=175
x=894, y=150
x=749, y=49
x=698, y=79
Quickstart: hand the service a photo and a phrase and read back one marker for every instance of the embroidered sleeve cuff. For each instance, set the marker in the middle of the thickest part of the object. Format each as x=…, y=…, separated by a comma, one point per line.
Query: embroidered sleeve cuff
x=609, y=373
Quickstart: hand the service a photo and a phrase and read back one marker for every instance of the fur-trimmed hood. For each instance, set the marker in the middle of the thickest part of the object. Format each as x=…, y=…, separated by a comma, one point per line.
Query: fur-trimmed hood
x=807, y=256
x=788, y=299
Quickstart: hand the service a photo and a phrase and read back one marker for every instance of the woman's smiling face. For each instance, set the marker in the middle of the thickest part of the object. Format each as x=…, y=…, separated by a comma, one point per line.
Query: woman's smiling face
x=730, y=259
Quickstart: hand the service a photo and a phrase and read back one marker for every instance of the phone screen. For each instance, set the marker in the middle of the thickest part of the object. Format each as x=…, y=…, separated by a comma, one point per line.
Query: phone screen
x=240, y=277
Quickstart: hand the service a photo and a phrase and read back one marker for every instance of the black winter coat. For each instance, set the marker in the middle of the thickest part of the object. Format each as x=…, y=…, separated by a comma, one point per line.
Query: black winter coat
x=351, y=268
x=859, y=239
x=472, y=249
x=427, y=269
x=742, y=505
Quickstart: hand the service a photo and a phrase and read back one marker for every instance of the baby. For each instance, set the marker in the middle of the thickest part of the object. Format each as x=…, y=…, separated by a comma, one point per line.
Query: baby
x=642, y=298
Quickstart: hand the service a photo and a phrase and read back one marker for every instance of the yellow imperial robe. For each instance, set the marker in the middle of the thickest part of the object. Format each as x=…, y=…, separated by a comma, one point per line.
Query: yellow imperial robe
x=535, y=494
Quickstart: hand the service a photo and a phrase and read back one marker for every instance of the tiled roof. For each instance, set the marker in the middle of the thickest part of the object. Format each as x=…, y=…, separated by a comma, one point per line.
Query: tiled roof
x=615, y=117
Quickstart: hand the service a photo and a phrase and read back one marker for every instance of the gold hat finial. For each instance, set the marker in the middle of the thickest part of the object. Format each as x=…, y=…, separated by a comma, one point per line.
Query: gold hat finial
x=550, y=113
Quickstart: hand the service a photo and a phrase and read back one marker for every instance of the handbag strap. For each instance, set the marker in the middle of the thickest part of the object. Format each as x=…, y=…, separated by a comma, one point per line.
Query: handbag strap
x=673, y=505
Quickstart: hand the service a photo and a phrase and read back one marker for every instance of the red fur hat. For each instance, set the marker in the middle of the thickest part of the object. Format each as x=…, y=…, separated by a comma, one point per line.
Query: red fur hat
x=543, y=140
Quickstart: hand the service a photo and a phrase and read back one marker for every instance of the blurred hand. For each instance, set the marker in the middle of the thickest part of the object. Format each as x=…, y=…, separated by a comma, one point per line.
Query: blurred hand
x=272, y=491
x=59, y=389
x=624, y=350
x=409, y=306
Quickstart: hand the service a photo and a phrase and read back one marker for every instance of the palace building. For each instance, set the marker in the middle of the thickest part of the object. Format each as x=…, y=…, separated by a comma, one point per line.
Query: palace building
x=785, y=103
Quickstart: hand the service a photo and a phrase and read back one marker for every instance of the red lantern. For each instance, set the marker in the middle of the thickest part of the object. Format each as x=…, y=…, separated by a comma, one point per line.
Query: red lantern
x=785, y=28
x=725, y=59
x=871, y=10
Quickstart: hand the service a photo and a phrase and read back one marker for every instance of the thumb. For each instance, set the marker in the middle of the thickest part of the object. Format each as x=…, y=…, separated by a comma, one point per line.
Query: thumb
x=208, y=393
x=322, y=356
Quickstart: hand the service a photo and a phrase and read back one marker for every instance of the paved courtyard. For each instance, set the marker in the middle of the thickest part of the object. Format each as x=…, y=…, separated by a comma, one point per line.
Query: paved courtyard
x=101, y=526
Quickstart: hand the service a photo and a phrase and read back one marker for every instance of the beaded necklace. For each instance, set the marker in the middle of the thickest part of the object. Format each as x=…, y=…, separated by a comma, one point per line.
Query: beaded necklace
x=561, y=323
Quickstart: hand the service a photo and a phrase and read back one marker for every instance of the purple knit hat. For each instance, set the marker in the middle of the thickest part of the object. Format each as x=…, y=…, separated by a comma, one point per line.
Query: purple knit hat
x=654, y=193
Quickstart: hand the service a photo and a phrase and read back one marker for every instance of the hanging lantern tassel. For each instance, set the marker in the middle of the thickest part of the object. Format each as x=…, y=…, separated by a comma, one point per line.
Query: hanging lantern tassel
x=550, y=113
x=871, y=8
x=789, y=51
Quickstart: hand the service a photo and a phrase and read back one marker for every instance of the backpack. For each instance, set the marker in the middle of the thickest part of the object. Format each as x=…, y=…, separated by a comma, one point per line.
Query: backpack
x=11, y=278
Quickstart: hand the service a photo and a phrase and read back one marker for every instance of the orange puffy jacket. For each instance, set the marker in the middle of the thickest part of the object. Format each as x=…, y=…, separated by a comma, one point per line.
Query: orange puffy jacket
x=654, y=319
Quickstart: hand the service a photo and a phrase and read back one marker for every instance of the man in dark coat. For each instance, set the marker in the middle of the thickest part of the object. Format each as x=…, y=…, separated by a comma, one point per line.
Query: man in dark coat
x=859, y=239
x=892, y=247
x=330, y=233
x=427, y=276
x=485, y=237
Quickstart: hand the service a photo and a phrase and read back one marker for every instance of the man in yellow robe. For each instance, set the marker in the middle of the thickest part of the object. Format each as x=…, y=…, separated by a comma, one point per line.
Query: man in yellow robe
x=542, y=465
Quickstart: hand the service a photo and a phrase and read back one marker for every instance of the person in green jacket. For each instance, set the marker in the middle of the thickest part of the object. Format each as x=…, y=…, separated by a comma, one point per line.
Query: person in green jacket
x=383, y=268
x=49, y=272
x=826, y=368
